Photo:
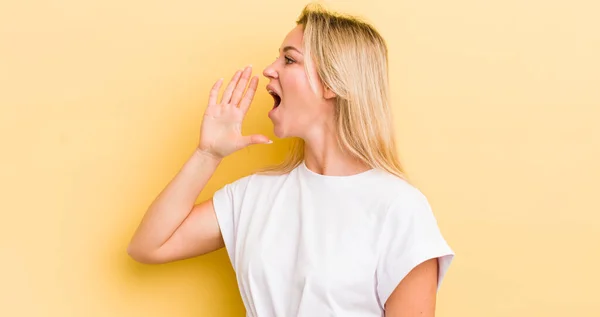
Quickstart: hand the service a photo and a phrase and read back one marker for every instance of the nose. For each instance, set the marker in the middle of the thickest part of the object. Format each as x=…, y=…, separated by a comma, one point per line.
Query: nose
x=270, y=72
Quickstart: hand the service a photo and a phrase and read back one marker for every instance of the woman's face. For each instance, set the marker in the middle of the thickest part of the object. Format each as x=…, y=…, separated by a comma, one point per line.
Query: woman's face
x=298, y=111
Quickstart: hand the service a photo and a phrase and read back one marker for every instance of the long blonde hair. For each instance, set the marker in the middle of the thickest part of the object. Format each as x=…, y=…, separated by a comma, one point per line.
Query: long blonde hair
x=351, y=59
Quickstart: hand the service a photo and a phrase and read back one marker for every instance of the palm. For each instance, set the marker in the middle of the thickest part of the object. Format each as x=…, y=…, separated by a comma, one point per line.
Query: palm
x=221, y=129
x=220, y=134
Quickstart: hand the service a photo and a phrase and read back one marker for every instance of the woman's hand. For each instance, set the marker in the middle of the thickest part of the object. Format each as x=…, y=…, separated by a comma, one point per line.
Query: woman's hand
x=221, y=130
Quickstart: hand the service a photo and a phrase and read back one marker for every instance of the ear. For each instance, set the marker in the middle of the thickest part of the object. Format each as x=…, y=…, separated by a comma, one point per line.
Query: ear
x=328, y=93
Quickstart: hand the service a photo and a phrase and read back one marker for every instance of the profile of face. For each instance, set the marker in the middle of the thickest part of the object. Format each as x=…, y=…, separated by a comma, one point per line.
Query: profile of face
x=298, y=111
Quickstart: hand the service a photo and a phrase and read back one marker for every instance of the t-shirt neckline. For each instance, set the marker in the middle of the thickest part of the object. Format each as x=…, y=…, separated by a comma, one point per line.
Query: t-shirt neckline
x=333, y=178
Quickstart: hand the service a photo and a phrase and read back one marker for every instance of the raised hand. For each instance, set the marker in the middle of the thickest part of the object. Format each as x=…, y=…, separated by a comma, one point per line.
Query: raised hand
x=221, y=130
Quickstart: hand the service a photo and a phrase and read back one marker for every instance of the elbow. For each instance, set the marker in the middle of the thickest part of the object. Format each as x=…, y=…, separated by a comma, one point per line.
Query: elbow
x=140, y=255
x=135, y=254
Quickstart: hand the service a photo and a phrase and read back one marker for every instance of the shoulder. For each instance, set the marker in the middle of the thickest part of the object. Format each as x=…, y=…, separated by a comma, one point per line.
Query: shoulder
x=403, y=198
x=396, y=189
x=255, y=182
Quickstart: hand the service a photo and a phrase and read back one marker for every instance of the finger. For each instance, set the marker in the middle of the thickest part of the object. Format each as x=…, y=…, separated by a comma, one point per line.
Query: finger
x=241, y=86
x=255, y=139
x=229, y=90
x=214, y=92
x=247, y=100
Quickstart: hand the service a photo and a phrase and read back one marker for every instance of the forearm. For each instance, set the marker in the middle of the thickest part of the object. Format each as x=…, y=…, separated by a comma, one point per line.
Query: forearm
x=174, y=203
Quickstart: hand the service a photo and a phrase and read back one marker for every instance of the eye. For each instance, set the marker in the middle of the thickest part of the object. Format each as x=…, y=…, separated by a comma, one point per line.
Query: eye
x=288, y=60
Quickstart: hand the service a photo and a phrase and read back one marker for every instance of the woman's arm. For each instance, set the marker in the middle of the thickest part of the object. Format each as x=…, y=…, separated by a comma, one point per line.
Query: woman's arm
x=173, y=228
x=415, y=296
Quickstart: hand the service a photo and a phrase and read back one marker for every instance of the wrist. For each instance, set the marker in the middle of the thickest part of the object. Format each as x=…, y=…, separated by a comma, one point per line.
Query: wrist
x=205, y=155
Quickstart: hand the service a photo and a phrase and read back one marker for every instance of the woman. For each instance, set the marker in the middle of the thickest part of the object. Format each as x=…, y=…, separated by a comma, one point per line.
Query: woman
x=335, y=230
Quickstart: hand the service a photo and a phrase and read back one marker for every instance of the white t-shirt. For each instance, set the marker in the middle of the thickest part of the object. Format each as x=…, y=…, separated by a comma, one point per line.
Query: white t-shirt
x=305, y=244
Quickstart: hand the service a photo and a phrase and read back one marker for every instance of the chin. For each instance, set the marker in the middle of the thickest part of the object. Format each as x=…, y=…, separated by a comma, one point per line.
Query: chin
x=278, y=131
x=281, y=132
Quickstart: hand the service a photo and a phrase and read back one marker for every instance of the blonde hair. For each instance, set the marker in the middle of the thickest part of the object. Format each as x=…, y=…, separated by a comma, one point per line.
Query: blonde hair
x=351, y=59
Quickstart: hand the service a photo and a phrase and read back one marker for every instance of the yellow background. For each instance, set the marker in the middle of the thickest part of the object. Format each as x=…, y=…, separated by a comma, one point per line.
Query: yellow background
x=497, y=104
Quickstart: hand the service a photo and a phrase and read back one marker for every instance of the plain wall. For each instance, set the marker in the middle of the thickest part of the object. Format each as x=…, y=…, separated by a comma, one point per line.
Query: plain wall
x=497, y=106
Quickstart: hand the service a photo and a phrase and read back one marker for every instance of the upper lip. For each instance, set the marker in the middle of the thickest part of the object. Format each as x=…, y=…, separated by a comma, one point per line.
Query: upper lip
x=271, y=89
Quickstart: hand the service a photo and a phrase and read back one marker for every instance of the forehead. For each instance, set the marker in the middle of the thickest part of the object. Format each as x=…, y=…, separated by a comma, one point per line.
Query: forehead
x=294, y=38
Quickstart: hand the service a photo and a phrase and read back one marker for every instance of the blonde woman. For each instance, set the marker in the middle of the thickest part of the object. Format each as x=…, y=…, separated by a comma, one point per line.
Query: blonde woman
x=333, y=231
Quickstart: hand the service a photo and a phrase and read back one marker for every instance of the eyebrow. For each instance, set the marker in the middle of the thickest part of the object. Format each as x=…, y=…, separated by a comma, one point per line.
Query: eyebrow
x=290, y=48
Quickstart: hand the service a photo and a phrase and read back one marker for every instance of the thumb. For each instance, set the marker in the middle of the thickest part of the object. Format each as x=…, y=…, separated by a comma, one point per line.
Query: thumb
x=255, y=139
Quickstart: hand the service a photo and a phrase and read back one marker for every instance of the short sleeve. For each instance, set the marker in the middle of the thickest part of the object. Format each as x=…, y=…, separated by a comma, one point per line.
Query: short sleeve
x=409, y=237
x=227, y=205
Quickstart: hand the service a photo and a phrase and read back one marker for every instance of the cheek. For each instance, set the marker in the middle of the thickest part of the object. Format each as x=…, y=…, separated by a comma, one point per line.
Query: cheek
x=295, y=83
x=301, y=107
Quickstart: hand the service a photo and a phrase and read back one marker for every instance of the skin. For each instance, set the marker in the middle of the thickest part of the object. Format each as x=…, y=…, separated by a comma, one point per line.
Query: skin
x=175, y=228
x=306, y=114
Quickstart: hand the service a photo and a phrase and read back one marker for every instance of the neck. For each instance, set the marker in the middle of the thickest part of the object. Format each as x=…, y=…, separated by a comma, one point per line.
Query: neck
x=323, y=155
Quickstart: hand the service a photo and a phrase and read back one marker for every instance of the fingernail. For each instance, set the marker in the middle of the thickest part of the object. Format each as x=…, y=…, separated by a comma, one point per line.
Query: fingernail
x=269, y=142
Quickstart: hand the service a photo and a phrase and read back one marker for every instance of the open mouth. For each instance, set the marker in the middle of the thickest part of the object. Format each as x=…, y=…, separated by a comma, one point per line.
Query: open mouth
x=276, y=98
